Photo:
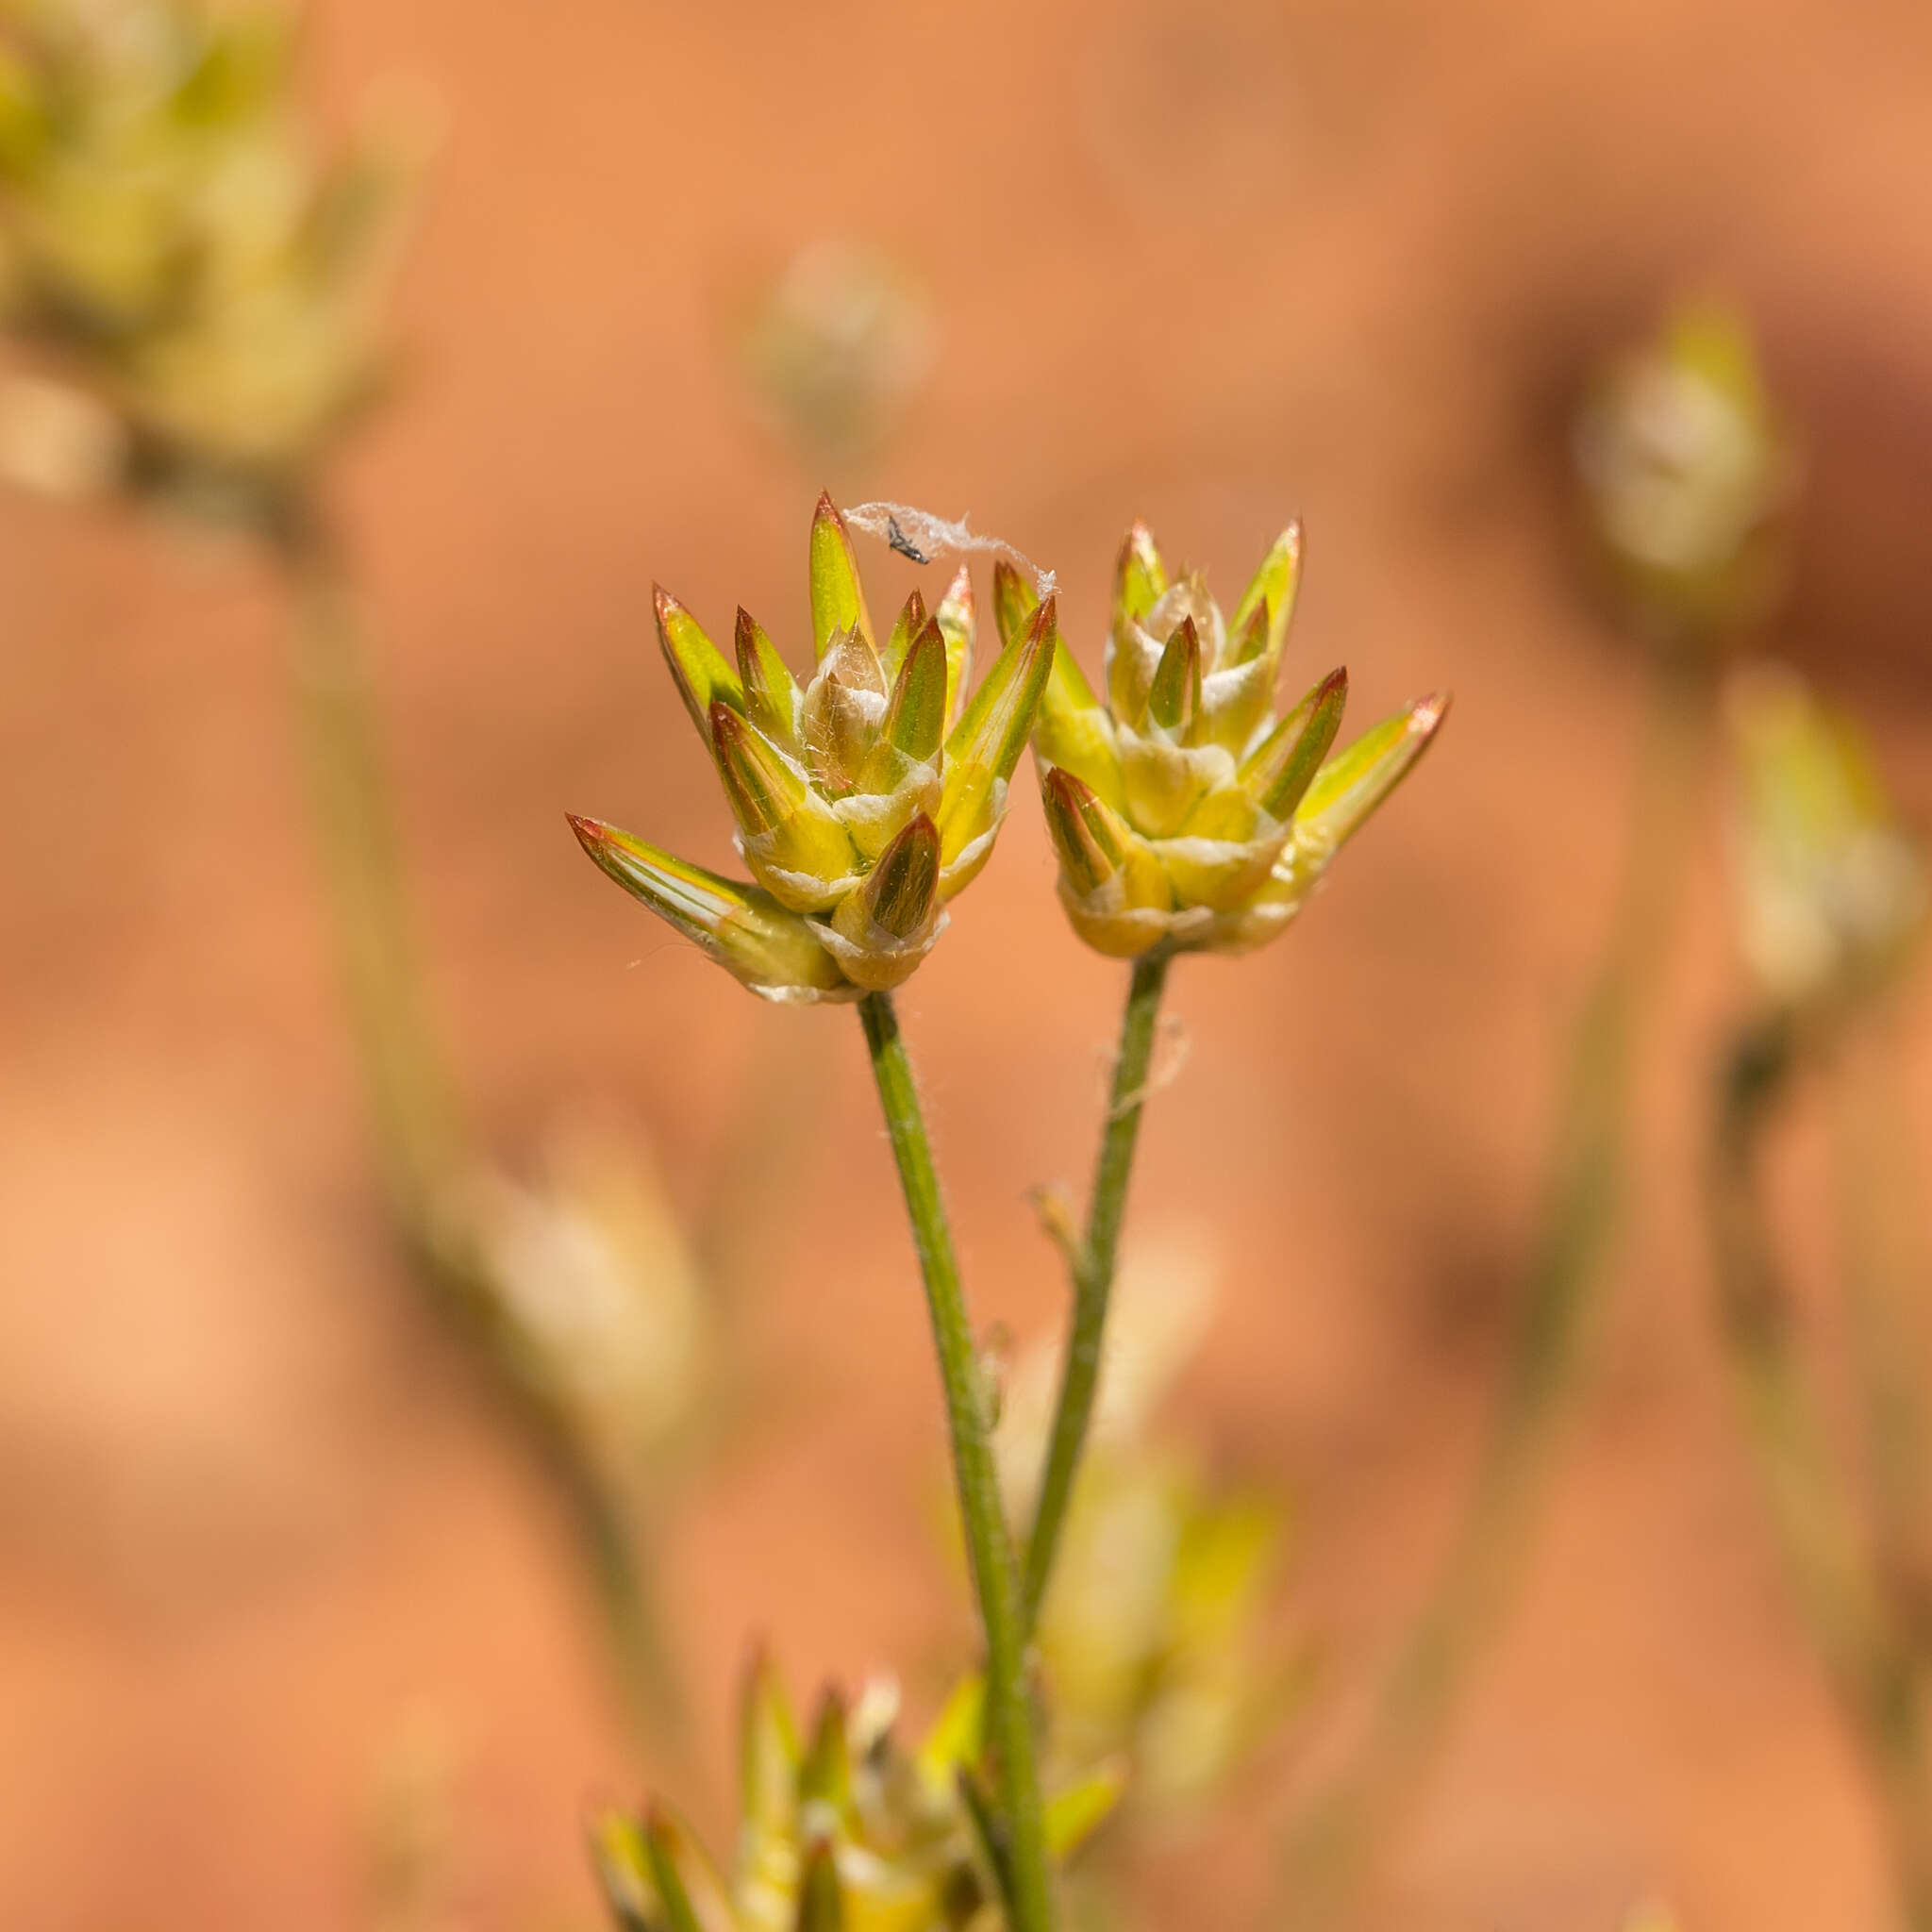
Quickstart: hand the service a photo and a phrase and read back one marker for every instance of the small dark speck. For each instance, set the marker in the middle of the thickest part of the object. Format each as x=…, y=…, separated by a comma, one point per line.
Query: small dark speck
x=899, y=541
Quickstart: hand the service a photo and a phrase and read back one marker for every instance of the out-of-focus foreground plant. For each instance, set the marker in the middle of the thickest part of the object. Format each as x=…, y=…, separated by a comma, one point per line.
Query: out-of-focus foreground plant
x=1684, y=472
x=1831, y=899
x=198, y=297
x=1153, y=1642
x=866, y=797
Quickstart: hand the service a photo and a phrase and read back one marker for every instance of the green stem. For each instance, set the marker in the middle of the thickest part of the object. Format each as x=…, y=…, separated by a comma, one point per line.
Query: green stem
x=988, y=1546
x=1093, y=1271
x=1330, y=1854
x=422, y=1144
x=1886, y=1277
x=1870, y=1666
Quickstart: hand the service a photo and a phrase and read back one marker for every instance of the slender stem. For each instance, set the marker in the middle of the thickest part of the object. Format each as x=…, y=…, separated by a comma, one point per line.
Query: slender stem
x=1887, y=1279
x=1870, y=1664
x=987, y=1544
x=1093, y=1271
x=421, y=1142
x=1330, y=1852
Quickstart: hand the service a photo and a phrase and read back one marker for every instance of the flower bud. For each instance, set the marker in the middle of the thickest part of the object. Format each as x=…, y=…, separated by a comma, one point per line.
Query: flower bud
x=1685, y=467
x=865, y=798
x=1183, y=814
x=169, y=235
x=1831, y=893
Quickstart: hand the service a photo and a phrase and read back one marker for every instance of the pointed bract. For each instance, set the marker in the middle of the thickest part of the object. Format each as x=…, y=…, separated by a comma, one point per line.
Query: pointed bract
x=958, y=621
x=771, y=692
x=838, y=598
x=1350, y=786
x=1285, y=766
x=697, y=666
x=1140, y=579
x=987, y=742
x=770, y=949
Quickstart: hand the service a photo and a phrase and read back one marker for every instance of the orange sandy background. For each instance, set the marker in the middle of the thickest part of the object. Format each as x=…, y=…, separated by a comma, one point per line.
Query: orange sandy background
x=1208, y=264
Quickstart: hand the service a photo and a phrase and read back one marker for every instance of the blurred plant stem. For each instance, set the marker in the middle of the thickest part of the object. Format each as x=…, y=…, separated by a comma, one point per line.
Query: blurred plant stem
x=1887, y=1275
x=1022, y=1870
x=1091, y=1265
x=1329, y=1853
x=422, y=1144
x=1865, y=1654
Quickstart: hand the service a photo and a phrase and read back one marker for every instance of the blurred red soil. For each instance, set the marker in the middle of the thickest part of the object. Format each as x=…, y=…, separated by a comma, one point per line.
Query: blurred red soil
x=1205, y=265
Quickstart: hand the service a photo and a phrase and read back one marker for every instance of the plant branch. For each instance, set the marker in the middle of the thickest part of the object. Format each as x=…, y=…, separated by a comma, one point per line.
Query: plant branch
x=987, y=1544
x=1870, y=1666
x=421, y=1142
x=1093, y=1269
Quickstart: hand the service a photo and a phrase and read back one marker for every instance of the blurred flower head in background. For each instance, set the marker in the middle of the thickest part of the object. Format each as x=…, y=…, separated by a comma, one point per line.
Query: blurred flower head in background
x=842, y=1830
x=866, y=798
x=203, y=292
x=1685, y=467
x=595, y=1292
x=1153, y=1635
x=1183, y=813
x=835, y=348
x=1831, y=893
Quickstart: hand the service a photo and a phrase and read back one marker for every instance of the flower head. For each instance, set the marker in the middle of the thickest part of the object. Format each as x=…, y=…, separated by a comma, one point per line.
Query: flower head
x=1184, y=812
x=170, y=241
x=866, y=797
x=1685, y=466
x=842, y=1830
x=1831, y=892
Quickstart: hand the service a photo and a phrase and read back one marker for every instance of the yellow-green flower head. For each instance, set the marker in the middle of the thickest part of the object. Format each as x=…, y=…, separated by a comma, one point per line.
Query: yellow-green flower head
x=1831, y=892
x=1184, y=812
x=845, y=1832
x=1686, y=467
x=168, y=237
x=866, y=797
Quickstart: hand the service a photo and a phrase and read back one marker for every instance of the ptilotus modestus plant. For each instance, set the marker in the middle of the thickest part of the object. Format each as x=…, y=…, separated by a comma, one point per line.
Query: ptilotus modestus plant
x=1831, y=892
x=866, y=797
x=1184, y=812
x=1687, y=469
x=191, y=271
x=845, y=1832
